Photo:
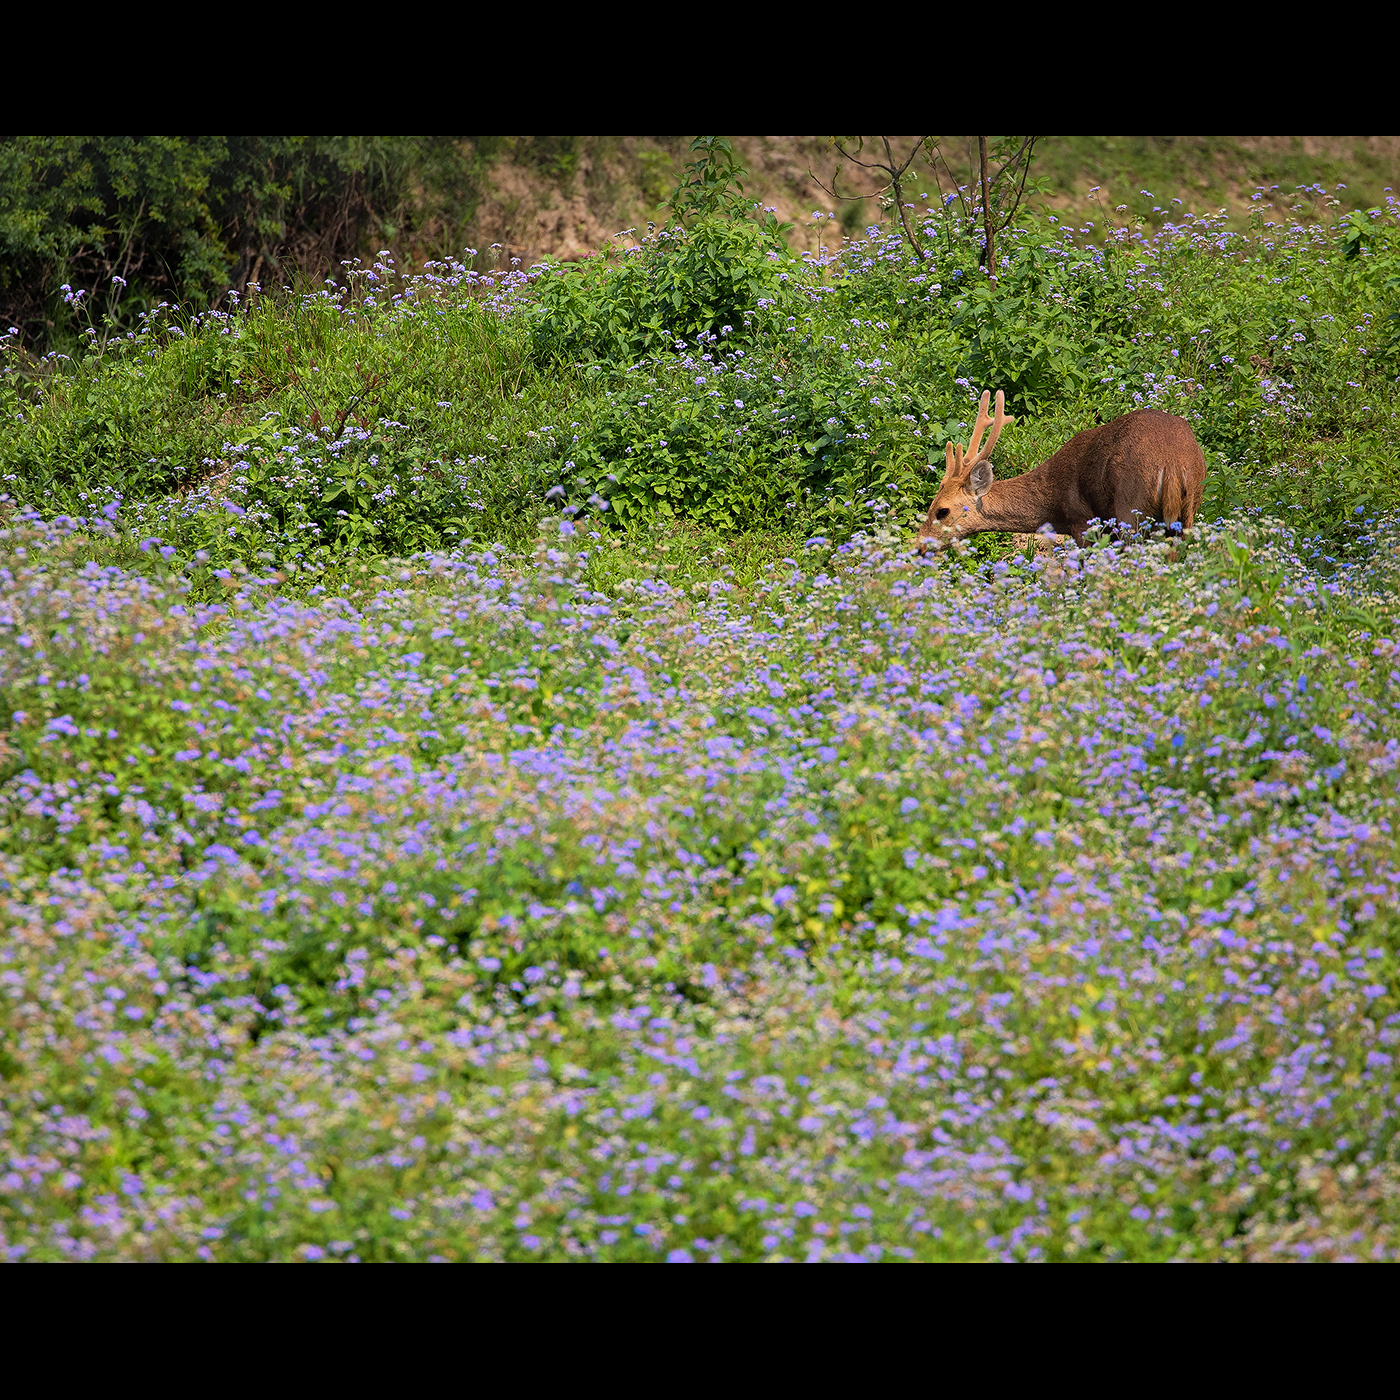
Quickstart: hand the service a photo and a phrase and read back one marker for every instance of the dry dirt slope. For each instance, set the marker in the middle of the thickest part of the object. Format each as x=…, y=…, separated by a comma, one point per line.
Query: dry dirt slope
x=592, y=188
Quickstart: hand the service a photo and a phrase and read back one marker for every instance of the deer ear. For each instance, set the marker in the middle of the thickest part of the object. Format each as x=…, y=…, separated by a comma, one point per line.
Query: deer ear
x=981, y=478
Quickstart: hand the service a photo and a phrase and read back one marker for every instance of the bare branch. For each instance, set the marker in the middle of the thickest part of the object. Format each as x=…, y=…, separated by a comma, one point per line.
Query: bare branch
x=894, y=169
x=989, y=253
x=864, y=164
x=1029, y=141
x=816, y=180
x=899, y=197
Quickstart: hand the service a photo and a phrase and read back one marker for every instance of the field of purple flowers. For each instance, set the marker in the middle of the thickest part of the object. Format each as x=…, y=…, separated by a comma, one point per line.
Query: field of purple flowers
x=909, y=912
x=528, y=901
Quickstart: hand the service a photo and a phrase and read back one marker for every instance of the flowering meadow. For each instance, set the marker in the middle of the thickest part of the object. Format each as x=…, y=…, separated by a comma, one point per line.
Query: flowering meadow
x=695, y=872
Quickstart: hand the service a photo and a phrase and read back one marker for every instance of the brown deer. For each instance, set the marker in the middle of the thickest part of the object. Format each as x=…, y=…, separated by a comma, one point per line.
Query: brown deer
x=1142, y=467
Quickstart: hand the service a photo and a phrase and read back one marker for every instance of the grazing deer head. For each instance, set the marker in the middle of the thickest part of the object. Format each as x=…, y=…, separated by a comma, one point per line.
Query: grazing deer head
x=967, y=478
x=1145, y=466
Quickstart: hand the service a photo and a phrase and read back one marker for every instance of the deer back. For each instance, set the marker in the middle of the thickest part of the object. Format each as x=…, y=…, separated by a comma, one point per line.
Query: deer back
x=1146, y=464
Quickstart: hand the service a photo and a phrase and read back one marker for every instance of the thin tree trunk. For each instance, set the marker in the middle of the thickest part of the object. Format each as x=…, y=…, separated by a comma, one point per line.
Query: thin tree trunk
x=895, y=173
x=987, y=209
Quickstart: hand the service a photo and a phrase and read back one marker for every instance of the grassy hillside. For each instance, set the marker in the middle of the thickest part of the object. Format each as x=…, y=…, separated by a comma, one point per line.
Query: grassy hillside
x=1210, y=173
x=486, y=777
x=717, y=379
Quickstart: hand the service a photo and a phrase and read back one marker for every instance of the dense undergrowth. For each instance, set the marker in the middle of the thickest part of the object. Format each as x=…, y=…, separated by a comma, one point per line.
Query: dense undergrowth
x=716, y=378
x=485, y=776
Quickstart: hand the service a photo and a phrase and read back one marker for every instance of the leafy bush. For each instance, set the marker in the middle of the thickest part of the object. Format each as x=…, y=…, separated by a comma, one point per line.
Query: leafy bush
x=679, y=284
x=362, y=416
x=95, y=227
x=738, y=438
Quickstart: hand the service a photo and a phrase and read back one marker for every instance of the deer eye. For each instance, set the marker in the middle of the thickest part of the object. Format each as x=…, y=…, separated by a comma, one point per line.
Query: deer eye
x=942, y=513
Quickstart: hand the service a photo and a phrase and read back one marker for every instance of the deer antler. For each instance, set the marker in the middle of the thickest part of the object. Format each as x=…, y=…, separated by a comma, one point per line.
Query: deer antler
x=961, y=459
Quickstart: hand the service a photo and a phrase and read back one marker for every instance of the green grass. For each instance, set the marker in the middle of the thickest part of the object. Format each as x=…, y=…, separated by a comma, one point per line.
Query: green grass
x=1210, y=173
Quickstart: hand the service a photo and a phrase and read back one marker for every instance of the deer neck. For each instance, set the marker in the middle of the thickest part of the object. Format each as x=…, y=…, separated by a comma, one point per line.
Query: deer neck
x=1021, y=505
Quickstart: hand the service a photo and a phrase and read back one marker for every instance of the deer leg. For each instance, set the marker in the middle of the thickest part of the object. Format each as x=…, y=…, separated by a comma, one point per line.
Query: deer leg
x=1193, y=504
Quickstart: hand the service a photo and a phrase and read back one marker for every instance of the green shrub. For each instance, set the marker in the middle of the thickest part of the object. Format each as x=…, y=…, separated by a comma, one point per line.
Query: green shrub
x=679, y=284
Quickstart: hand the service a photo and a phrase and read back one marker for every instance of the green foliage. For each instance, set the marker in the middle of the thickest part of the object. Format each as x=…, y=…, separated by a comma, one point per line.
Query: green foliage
x=95, y=230
x=713, y=185
x=1015, y=334
x=681, y=283
x=401, y=413
x=771, y=436
x=302, y=426
x=98, y=213
x=705, y=275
